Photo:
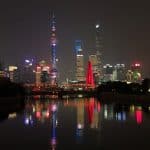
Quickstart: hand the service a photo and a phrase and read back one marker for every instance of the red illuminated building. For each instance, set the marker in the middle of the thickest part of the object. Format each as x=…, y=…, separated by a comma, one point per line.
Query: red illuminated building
x=89, y=76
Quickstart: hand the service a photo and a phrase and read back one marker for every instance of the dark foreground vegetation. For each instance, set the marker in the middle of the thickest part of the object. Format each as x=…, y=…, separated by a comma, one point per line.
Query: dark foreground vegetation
x=123, y=93
x=8, y=88
x=11, y=98
x=125, y=88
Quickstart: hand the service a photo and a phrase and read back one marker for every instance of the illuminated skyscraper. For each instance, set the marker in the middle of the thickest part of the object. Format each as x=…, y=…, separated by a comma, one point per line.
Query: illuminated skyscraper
x=42, y=73
x=80, y=73
x=89, y=76
x=108, y=72
x=53, y=44
x=94, y=62
x=136, y=69
x=99, y=49
x=119, y=72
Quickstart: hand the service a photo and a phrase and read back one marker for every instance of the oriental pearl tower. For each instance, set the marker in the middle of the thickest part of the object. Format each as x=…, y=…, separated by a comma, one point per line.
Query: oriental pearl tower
x=53, y=45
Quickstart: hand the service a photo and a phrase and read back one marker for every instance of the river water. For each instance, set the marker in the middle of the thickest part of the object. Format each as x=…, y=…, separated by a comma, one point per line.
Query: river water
x=75, y=124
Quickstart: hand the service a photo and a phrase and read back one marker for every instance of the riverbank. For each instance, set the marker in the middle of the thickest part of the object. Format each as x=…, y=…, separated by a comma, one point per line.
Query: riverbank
x=110, y=97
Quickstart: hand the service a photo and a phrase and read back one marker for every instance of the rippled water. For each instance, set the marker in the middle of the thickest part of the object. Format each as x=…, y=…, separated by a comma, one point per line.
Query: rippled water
x=75, y=124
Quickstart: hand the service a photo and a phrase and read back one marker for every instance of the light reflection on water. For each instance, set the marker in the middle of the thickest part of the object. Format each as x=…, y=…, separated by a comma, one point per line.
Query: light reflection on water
x=77, y=123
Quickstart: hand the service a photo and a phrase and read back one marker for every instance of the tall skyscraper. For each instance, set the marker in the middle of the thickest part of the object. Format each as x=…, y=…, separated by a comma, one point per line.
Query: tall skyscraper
x=53, y=44
x=80, y=72
x=94, y=62
x=99, y=49
x=42, y=74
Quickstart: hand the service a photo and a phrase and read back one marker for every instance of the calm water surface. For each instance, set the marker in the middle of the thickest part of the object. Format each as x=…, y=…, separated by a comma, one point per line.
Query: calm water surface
x=75, y=124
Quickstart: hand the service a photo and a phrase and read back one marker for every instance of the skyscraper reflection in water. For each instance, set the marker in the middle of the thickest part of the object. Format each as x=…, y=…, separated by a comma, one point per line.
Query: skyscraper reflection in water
x=80, y=121
x=53, y=140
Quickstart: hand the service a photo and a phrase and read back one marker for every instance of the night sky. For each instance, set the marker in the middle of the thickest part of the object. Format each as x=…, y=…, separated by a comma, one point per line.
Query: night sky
x=24, y=30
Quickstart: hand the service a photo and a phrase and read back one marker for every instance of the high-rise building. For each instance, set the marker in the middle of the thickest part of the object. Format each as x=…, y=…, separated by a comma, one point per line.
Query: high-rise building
x=89, y=76
x=42, y=74
x=137, y=72
x=28, y=75
x=53, y=44
x=94, y=62
x=13, y=73
x=80, y=72
x=108, y=72
x=119, y=72
x=99, y=49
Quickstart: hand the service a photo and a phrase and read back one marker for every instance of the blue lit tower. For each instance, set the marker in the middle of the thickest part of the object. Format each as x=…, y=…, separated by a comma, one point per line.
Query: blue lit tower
x=80, y=76
x=53, y=44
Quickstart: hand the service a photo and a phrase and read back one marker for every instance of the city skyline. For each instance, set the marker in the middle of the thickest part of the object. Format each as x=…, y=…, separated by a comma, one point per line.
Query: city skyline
x=24, y=31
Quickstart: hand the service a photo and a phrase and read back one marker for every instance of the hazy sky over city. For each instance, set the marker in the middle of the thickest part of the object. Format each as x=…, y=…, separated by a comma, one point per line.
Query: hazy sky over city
x=24, y=30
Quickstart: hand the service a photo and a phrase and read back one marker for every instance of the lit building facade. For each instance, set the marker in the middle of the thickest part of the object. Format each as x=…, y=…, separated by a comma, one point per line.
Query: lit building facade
x=94, y=61
x=80, y=71
x=136, y=72
x=28, y=75
x=14, y=73
x=108, y=72
x=42, y=74
x=119, y=72
x=2, y=72
x=89, y=77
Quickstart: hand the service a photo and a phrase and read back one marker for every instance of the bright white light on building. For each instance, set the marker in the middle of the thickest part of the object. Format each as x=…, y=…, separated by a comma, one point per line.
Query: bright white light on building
x=12, y=68
x=149, y=90
x=97, y=26
x=79, y=55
